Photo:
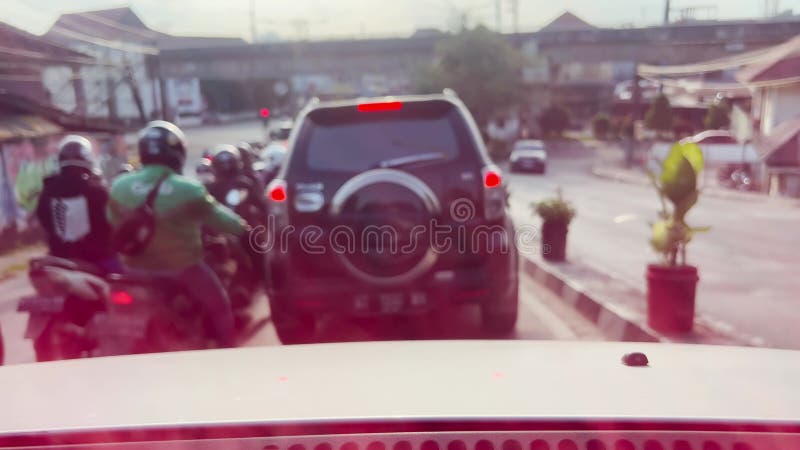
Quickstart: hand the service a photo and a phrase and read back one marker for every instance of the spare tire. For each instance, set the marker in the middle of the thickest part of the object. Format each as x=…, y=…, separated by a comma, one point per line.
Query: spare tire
x=388, y=215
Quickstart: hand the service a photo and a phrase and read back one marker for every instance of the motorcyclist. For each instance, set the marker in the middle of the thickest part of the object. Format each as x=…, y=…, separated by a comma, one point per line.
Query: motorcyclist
x=182, y=207
x=230, y=175
x=71, y=208
x=249, y=160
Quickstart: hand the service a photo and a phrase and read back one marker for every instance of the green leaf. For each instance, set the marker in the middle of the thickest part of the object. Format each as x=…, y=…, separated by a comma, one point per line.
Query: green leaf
x=693, y=153
x=678, y=178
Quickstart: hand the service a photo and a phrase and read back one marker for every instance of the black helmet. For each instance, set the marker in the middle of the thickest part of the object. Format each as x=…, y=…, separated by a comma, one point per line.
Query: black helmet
x=161, y=142
x=75, y=155
x=227, y=161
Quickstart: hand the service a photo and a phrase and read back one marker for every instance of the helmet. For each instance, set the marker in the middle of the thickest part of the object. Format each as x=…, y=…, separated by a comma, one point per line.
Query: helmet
x=161, y=142
x=204, y=171
x=227, y=161
x=75, y=154
x=249, y=156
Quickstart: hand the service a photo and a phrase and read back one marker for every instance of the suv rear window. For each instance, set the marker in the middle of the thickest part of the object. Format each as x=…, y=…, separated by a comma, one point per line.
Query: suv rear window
x=345, y=140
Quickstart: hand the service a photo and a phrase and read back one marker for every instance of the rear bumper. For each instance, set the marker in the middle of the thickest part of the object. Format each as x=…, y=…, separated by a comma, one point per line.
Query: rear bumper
x=529, y=164
x=345, y=295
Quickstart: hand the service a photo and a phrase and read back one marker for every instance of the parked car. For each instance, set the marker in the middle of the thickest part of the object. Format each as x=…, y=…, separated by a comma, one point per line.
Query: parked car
x=361, y=173
x=528, y=155
x=719, y=147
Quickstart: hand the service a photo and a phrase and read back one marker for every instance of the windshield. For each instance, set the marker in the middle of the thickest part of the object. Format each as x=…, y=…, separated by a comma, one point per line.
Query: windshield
x=194, y=175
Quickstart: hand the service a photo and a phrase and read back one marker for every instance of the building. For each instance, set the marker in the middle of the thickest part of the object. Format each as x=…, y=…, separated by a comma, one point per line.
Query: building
x=126, y=86
x=774, y=80
x=26, y=57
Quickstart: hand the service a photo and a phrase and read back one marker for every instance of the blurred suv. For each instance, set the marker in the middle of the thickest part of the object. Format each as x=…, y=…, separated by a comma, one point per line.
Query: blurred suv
x=528, y=155
x=386, y=207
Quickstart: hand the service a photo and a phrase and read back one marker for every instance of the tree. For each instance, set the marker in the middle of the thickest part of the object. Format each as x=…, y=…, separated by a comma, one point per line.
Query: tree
x=718, y=116
x=659, y=116
x=601, y=125
x=554, y=120
x=481, y=66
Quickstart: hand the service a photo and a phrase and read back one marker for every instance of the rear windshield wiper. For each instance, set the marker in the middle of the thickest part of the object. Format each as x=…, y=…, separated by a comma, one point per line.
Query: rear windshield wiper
x=409, y=160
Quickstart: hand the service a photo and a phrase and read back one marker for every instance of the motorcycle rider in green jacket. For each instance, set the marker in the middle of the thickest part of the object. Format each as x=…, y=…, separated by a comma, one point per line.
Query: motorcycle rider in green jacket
x=181, y=207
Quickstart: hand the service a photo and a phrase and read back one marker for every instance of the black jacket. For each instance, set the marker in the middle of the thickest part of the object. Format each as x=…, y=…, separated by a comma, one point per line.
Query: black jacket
x=72, y=210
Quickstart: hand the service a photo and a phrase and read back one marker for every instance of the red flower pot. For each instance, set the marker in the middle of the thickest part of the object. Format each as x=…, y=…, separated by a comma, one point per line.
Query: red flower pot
x=671, y=298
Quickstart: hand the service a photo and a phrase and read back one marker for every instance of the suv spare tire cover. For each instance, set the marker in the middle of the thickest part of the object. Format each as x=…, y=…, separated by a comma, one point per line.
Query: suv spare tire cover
x=384, y=211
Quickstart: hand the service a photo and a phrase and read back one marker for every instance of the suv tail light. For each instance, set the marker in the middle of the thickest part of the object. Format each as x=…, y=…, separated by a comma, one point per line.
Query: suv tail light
x=277, y=196
x=276, y=191
x=494, y=196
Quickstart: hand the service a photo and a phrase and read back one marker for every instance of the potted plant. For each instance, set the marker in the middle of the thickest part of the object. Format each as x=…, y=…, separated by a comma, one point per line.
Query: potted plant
x=556, y=214
x=671, y=284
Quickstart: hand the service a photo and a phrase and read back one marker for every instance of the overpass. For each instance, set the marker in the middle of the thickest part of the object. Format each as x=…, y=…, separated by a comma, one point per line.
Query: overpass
x=348, y=60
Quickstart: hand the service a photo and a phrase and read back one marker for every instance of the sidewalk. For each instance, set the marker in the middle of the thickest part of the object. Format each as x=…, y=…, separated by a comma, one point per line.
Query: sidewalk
x=610, y=165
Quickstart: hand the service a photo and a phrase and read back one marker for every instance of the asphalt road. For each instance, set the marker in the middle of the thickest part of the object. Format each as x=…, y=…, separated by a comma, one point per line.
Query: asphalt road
x=747, y=262
x=542, y=316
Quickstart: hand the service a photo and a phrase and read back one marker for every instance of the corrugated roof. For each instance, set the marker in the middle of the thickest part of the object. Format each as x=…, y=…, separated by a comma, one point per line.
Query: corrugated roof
x=778, y=138
x=17, y=126
x=779, y=63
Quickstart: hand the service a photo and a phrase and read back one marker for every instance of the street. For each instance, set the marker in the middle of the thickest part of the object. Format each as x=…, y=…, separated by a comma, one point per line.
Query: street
x=744, y=261
x=542, y=315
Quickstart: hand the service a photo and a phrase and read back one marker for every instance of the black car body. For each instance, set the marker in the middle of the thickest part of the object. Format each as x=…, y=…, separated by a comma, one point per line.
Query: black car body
x=389, y=206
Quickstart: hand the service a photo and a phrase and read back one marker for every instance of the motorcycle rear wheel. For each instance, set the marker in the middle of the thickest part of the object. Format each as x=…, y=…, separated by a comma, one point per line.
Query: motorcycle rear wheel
x=55, y=344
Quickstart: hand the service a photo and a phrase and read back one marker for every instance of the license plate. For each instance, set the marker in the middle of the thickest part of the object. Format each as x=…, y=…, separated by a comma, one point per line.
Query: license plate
x=390, y=302
x=39, y=304
x=121, y=325
x=528, y=164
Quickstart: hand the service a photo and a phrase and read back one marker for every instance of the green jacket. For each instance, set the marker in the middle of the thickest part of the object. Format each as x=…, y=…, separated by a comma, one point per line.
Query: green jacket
x=182, y=206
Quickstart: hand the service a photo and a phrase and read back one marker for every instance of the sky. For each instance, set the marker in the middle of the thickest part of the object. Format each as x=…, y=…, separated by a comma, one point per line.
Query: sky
x=319, y=19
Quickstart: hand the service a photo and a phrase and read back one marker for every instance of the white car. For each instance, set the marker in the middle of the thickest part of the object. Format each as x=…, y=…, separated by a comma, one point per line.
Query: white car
x=528, y=155
x=719, y=148
x=445, y=395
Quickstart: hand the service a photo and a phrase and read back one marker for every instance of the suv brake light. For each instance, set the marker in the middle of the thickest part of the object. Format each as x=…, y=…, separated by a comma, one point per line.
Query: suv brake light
x=121, y=298
x=277, y=191
x=494, y=199
x=492, y=178
x=382, y=106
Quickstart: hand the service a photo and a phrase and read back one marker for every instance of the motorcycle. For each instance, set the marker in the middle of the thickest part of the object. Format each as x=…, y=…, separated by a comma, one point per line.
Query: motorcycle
x=147, y=314
x=68, y=295
x=738, y=177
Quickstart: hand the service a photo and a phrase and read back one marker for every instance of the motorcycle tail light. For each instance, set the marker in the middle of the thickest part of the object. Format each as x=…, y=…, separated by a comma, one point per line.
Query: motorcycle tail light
x=121, y=298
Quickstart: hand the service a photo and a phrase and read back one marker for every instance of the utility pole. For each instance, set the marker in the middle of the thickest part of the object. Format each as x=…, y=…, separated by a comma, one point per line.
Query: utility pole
x=666, y=13
x=515, y=14
x=253, y=31
x=498, y=15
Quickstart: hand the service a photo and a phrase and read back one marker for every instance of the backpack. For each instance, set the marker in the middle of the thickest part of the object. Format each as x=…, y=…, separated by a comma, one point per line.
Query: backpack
x=137, y=228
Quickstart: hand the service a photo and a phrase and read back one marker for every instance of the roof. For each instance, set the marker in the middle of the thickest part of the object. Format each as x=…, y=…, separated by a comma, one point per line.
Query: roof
x=393, y=381
x=781, y=146
x=567, y=21
x=12, y=104
x=774, y=65
x=124, y=25
x=20, y=45
x=13, y=126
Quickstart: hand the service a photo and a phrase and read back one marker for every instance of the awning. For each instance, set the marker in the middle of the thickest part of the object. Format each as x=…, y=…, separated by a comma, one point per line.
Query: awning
x=26, y=126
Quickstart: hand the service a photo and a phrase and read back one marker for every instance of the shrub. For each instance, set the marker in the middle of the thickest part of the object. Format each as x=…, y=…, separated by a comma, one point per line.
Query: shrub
x=554, y=120
x=601, y=125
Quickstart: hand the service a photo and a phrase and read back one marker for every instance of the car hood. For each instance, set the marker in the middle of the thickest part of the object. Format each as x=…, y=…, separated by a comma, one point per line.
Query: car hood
x=409, y=380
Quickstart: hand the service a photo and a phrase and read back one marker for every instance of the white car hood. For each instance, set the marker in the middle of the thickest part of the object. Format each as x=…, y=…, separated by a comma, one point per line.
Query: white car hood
x=422, y=380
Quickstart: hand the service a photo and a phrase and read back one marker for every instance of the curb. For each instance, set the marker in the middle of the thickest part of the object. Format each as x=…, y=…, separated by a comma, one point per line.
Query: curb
x=612, y=324
x=614, y=174
x=624, y=323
